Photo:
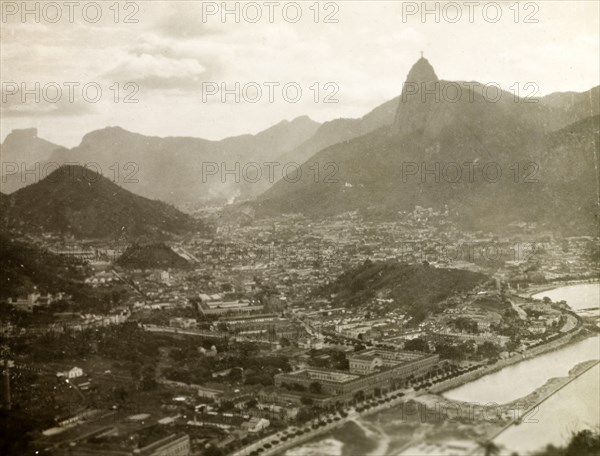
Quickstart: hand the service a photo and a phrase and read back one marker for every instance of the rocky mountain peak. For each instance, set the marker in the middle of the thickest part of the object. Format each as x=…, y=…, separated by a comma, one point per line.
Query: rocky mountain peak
x=414, y=109
x=422, y=71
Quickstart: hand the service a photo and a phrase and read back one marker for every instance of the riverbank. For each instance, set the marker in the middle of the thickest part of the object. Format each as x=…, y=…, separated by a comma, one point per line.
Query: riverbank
x=495, y=420
x=535, y=289
x=572, y=408
x=268, y=447
x=542, y=394
x=489, y=420
x=432, y=393
x=556, y=344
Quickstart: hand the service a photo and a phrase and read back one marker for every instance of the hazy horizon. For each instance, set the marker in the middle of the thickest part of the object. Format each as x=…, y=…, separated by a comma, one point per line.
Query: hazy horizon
x=169, y=55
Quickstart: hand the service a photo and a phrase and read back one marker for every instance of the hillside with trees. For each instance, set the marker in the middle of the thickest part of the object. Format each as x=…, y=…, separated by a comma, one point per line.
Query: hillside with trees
x=403, y=284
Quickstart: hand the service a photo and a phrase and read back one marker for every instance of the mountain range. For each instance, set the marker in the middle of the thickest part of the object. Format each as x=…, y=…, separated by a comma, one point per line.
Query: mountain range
x=486, y=155
x=445, y=151
x=139, y=162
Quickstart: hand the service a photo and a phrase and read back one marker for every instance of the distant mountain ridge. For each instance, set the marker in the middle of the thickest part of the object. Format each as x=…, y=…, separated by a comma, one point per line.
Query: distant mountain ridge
x=75, y=201
x=371, y=170
x=138, y=162
x=176, y=162
x=174, y=169
x=19, y=154
x=26, y=145
x=340, y=130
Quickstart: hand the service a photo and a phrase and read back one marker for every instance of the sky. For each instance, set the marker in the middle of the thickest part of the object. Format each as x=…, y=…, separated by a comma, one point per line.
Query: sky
x=171, y=60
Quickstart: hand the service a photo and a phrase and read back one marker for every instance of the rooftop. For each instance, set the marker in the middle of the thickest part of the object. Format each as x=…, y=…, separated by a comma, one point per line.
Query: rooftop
x=324, y=374
x=391, y=355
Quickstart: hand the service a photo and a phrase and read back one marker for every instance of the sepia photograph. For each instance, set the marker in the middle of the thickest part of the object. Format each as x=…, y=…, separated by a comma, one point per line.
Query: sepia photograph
x=300, y=228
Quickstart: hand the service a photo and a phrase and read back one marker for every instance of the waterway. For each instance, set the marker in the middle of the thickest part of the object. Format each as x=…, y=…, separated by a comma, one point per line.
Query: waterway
x=574, y=407
x=519, y=380
x=578, y=297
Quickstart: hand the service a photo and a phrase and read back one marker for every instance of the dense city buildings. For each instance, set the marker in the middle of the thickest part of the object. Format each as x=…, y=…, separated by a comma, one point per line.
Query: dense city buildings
x=361, y=270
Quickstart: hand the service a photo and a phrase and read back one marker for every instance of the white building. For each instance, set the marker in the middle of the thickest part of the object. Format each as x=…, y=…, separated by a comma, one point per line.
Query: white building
x=72, y=373
x=256, y=424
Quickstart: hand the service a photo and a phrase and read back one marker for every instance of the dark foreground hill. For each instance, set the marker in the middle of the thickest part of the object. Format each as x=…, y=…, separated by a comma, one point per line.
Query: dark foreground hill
x=77, y=201
x=416, y=289
x=25, y=268
x=151, y=256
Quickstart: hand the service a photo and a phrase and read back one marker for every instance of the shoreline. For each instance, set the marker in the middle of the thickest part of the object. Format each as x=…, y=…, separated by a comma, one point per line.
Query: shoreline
x=471, y=376
x=561, y=342
x=530, y=291
x=574, y=336
x=546, y=391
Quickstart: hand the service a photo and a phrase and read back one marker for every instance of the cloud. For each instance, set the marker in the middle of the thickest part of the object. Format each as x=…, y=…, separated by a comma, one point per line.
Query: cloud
x=14, y=106
x=184, y=24
x=156, y=71
x=170, y=52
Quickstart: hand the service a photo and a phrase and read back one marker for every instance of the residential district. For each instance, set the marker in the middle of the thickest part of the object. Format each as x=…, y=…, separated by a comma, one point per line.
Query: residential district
x=258, y=337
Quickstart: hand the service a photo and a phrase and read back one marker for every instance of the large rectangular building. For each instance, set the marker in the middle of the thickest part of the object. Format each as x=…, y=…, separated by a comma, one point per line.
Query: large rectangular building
x=222, y=308
x=370, y=370
x=376, y=359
